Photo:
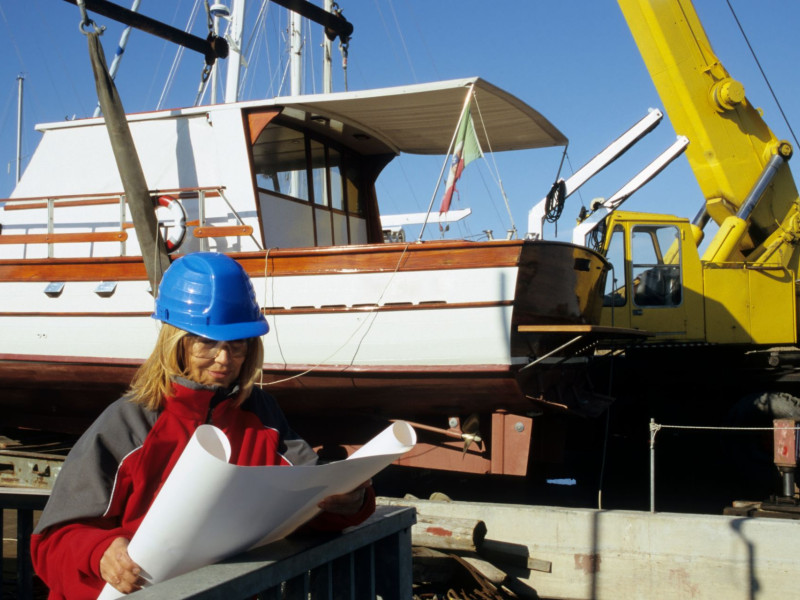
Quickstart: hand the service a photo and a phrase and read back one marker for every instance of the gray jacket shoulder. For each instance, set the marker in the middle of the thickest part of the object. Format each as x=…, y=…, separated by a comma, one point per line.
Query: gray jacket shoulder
x=83, y=487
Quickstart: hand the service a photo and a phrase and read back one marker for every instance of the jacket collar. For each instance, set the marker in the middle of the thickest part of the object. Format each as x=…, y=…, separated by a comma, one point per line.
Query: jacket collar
x=196, y=401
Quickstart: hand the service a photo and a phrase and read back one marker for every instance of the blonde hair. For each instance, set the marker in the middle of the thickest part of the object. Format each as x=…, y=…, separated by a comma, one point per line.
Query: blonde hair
x=153, y=380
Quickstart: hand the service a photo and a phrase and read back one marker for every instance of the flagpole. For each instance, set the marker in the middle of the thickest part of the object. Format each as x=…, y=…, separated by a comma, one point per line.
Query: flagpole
x=446, y=159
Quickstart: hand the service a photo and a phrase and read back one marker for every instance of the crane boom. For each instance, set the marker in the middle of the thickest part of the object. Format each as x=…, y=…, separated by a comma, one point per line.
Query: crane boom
x=731, y=145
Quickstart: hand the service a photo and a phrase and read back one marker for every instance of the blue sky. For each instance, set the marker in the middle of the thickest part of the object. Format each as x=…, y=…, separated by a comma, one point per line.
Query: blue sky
x=573, y=60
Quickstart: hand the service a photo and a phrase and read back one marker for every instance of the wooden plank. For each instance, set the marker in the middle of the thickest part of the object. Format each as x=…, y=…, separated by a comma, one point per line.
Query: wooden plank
x=56, y=238
x=579, y=329
x=370, y=258
x=210, y=191
x=62, y=204
x=209, y=232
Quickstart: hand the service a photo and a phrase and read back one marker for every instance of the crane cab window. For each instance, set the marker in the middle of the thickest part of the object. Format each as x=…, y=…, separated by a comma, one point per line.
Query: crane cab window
x=616, y=281
x=655, y=265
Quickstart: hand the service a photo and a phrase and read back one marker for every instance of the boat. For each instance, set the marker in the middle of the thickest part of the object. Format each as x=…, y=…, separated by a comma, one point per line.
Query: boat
x=362, y=330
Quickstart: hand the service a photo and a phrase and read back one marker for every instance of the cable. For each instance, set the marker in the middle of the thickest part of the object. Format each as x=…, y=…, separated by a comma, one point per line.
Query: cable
x=763, y=74
x=554, y=202
x=370, y=320
x=496, y=173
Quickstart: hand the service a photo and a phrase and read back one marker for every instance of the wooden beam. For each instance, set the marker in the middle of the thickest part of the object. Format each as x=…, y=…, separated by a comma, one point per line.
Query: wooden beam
x=56, y=238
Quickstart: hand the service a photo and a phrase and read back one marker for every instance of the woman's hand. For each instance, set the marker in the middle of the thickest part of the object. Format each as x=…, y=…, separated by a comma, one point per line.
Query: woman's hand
x=118, y=568
x=346, y=504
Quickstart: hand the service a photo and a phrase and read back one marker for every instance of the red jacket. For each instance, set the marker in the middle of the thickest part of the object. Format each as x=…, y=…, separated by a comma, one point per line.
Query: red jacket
x=115, y=470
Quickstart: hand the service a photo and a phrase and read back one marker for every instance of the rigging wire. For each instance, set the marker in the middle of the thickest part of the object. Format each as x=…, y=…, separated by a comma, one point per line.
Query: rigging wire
x=496, y=173
x=178, y=56
x=402, y=40
x=46, y=32
x=390, y=39
x=249, y=48
x=447, y=160
x=11, y=37
x=763, y=74
x=308, y=58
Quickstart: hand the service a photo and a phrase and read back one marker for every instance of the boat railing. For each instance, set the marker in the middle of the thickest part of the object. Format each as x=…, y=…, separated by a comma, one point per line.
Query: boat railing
x=200, y=227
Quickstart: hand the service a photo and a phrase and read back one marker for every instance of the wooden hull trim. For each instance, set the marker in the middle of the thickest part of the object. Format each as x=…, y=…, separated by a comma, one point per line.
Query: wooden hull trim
x=370, y=258
x=404, y=306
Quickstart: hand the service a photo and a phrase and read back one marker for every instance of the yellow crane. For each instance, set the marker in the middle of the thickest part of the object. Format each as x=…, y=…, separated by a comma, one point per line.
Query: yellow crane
x=742, y=290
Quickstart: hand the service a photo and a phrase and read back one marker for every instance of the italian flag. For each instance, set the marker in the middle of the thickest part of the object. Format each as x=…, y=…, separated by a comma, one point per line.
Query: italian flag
x=466, y=150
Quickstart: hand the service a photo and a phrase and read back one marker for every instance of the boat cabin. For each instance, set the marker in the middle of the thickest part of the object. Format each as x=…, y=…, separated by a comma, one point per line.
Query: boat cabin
x=284, y=173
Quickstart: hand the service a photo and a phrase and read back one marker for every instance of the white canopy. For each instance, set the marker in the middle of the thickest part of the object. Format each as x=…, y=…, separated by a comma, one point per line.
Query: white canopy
x=417, y=119
x=421, y=119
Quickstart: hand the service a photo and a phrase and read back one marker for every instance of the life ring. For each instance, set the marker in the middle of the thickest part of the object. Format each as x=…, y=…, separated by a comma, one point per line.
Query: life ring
x=178, y=228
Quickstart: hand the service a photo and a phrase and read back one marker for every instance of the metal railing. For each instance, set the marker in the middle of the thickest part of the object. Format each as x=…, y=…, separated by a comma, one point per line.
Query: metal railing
x=779, y=425
x=202, y=229
x=366, y=562
x=24, y=502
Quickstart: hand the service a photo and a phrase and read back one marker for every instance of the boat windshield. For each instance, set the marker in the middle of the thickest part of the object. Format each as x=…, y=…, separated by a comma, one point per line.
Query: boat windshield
x=291, y=165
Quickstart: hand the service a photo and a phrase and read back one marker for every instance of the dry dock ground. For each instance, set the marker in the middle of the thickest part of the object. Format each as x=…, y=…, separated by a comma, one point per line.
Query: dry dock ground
x=690, y=479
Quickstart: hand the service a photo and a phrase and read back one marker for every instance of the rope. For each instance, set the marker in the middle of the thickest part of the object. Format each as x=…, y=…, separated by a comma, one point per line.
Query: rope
x=371, y=321
x=554, y=203
x=177, y=59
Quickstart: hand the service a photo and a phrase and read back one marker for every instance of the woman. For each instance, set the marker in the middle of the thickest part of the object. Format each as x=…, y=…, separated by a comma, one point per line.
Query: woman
x=202, y=370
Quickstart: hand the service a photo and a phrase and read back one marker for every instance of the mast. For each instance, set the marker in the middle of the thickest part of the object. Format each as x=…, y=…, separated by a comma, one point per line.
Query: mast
x=327, y=79
x=296, y=53
x=20, y=79
x=235, y=55
x=218, y=11
x=295, y=76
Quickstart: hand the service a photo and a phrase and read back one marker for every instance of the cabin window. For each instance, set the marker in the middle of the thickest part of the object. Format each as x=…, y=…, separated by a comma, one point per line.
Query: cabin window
x=656, y=269
x=319, y=174
x=616, y=280
x=337, y=193
x=309, y=189
x=280, y=160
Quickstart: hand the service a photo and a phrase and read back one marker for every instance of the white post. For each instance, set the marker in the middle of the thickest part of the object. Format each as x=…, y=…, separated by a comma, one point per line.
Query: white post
x=20, y=79
x=296, y=53
x=296, y=74
x=235, y=51
x=327, y=77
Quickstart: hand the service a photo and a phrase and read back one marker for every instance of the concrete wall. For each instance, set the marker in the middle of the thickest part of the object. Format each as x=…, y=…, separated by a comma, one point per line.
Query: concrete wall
x=623, y=555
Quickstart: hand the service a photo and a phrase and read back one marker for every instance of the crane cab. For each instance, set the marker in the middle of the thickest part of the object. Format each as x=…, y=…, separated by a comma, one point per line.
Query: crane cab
x=654, y=284
x=659, y=284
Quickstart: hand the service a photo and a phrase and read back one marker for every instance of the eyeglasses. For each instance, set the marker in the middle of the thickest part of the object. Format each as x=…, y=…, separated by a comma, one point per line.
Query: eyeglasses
x=205, y=348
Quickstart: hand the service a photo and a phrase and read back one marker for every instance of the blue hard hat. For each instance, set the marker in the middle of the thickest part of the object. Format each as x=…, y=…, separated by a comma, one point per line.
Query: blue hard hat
x=210, y=294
